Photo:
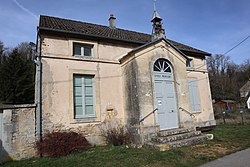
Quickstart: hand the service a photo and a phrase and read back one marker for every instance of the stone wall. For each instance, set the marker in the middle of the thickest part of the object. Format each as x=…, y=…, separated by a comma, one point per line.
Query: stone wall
x=18, y=132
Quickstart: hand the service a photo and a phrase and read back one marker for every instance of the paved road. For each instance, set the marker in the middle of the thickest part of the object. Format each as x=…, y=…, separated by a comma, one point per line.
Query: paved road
x=238, y=159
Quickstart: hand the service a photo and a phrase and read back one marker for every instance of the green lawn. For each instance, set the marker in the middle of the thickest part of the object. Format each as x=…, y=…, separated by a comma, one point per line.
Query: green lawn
x=227, y=139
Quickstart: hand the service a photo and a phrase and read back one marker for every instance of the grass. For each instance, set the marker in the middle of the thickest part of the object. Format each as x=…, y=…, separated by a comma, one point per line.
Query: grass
x=227, y=139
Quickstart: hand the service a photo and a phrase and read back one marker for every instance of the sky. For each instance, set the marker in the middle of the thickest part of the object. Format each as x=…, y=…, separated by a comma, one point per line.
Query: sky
x=214, y=26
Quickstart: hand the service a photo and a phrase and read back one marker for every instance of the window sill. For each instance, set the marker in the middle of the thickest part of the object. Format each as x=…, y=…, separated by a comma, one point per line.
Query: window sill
x=196, y=112
x=85, y=120
x=190, y=68
x=83, y=57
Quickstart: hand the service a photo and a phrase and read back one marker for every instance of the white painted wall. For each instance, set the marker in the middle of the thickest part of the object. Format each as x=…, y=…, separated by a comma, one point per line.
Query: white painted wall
x=248, y=103
x=1, y=131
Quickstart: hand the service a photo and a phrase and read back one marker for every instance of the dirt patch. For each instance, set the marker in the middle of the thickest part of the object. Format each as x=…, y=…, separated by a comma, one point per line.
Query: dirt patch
x=212, y=150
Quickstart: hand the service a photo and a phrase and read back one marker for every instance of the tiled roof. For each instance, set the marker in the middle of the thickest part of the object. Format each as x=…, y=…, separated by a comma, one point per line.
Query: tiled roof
x=89, y=29
x=228, y=101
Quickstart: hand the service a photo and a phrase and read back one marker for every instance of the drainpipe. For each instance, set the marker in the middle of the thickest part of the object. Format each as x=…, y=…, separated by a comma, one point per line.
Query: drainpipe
x=39, y=72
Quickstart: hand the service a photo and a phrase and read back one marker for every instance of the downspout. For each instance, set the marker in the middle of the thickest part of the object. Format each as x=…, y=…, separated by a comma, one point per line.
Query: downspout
x=39, y=71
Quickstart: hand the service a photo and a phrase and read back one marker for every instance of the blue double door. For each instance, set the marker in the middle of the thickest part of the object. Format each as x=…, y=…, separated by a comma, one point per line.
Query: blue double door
x=166, y=101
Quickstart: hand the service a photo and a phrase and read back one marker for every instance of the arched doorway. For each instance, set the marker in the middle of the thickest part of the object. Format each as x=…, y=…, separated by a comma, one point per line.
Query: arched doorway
x=165, y=95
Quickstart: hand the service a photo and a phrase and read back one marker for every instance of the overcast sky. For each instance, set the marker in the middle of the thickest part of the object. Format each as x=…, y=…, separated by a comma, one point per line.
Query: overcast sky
x=214, y=26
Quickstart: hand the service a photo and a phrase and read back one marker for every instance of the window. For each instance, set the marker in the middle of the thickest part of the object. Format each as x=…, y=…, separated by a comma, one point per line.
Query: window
x=82, y=50
x=161, y=65
x=193, y=95
x=189, y=63
x=83, y=96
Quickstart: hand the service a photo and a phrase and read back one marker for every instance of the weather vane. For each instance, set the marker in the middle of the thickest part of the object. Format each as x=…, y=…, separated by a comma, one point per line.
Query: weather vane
x=154, y=5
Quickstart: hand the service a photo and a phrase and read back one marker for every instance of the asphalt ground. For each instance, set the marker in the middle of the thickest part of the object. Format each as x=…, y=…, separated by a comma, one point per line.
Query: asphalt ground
x=238, y=159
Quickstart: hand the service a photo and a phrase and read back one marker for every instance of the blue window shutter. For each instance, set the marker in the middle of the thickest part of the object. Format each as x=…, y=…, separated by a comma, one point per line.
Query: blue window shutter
x=78, y=99
x=89, y=108
x=83, y=96
x=194, y=95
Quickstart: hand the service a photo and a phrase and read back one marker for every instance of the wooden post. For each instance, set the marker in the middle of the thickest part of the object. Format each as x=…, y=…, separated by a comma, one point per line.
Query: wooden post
x=242, y=117
x=224, y=117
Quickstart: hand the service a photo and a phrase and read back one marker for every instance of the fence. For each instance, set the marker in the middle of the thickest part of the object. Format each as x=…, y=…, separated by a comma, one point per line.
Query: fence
x=233, y=117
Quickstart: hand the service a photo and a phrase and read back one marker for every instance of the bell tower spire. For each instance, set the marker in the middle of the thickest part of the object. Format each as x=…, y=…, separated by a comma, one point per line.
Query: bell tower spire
x=158, y=30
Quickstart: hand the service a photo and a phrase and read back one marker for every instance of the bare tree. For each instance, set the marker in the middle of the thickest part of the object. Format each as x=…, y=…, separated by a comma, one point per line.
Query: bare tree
x=217, y=67
x=226, y=77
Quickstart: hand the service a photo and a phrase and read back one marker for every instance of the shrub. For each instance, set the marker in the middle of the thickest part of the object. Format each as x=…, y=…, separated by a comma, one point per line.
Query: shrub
x=57, y=144
x=115, y=133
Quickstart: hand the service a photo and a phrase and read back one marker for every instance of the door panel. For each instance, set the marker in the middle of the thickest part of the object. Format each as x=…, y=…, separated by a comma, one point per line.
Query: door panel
x=159, y=98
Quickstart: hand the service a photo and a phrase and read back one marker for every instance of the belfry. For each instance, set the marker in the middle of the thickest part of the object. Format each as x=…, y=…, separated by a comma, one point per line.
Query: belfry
x=158, y=30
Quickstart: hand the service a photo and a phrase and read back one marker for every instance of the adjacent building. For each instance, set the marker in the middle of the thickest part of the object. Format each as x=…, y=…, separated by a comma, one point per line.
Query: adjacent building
x=245, y=93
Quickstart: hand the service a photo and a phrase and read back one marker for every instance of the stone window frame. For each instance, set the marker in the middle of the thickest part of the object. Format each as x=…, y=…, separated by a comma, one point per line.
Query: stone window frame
x=83, y=46
x=97, y=109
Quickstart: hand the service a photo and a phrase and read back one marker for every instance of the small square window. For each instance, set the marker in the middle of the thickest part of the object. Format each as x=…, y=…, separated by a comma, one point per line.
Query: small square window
x=82, y=50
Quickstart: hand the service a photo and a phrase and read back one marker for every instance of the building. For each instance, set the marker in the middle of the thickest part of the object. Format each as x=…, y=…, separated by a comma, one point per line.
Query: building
x=223, y=105
x=245, y=93
x=88, y=73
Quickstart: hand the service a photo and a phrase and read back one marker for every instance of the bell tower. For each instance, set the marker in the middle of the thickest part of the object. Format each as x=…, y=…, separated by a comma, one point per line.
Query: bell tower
x=158, y=30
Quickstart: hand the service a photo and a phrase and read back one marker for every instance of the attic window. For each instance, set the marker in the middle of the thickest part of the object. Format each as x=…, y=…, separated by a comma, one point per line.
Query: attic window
x=82, y=50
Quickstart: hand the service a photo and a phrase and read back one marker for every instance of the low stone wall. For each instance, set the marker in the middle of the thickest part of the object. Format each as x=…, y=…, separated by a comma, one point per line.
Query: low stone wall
x=18, y=132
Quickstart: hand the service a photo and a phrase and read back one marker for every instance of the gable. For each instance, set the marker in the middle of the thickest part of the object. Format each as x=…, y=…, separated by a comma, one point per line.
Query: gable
x=161, y=46
x=245, y=87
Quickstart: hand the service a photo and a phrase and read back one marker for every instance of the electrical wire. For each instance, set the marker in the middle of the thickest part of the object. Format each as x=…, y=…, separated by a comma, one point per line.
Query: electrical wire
x=228, y=50
x=237, y=45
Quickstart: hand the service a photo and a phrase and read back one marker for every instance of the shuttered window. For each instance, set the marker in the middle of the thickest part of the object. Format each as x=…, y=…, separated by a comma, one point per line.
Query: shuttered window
x=83, y=96
x=194, y=95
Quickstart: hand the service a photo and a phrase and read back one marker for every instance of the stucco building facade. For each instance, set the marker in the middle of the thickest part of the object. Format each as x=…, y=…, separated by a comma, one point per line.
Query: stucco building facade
x=89, y=73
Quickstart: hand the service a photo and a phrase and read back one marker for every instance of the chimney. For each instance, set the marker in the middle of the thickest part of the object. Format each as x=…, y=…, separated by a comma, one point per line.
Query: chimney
x=112, y=21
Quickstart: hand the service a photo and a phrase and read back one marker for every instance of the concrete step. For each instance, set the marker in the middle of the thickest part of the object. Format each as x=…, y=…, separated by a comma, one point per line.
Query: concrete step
x=181, y=136
x=175, y=131
x=177, y=144
x=189, y=141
